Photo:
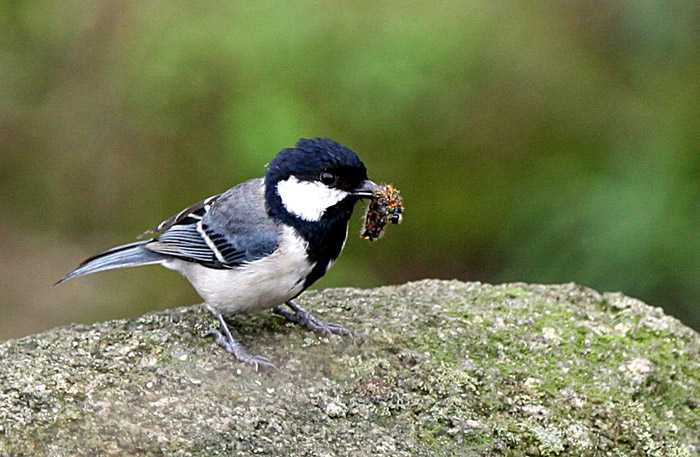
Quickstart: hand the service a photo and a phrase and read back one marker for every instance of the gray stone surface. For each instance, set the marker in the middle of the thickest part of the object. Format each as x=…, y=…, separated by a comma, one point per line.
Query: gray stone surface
x=435, y=368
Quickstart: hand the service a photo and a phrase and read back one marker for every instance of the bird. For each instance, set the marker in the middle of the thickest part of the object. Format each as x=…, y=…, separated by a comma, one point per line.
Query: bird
x=261, y=243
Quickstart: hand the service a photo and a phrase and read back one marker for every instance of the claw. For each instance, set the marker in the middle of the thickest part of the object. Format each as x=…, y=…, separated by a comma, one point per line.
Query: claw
x=303, y=318
x=224, y=339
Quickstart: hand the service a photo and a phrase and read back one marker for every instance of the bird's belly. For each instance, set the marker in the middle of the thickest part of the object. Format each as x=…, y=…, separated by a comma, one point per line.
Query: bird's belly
x=264, y=283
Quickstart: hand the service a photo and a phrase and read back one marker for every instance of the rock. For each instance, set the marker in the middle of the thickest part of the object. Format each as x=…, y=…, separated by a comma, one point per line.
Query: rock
x=434, y=368
x=334, y=409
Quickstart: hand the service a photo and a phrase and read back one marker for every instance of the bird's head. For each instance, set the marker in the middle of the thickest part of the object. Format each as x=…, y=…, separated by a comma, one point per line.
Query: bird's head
x=315, y=176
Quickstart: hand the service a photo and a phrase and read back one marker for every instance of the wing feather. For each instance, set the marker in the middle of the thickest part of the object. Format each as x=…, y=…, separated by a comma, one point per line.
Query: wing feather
x=188, y=215
x=188, y=242
x=222, y=231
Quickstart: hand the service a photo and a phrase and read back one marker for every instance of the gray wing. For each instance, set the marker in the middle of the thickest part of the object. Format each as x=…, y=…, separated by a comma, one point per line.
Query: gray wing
x=223, y=231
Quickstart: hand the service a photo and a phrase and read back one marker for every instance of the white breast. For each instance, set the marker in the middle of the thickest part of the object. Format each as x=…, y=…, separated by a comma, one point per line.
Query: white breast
x=264, y=283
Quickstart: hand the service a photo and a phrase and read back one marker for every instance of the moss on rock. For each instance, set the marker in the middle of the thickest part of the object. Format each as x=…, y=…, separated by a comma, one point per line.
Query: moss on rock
x=435, y=368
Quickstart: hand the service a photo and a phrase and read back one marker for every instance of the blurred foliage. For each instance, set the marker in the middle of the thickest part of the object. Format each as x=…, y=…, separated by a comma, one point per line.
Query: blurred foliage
x=532, y=141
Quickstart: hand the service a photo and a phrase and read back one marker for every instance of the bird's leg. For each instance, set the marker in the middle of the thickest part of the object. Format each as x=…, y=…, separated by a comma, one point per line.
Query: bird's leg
x=232, y=345
x=302, y=317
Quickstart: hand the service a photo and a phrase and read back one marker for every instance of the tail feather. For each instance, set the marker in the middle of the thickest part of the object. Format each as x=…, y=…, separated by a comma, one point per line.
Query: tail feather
x=128, y=255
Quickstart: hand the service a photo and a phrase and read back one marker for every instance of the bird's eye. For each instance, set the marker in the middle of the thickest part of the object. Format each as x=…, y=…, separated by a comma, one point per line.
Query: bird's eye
x=327, y=178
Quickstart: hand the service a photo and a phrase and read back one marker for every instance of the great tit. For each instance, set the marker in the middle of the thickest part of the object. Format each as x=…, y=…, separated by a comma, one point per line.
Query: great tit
x=261, y=243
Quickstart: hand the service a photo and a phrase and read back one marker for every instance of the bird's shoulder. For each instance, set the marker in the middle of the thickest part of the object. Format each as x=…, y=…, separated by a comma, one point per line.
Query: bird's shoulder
x=242, y=206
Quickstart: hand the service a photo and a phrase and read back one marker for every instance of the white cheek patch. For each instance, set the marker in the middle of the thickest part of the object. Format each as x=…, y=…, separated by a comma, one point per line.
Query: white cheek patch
x=308, y=200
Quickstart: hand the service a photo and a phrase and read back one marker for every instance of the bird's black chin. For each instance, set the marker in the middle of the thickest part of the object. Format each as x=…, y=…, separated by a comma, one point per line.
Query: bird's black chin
x=366, y=189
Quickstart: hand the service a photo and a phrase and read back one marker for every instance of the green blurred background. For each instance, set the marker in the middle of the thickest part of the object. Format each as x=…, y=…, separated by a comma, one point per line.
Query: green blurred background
x=532, y=141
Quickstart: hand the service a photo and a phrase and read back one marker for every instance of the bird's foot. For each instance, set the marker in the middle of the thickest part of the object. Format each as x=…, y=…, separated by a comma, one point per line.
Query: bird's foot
x=232, y=345
x=303, y=318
